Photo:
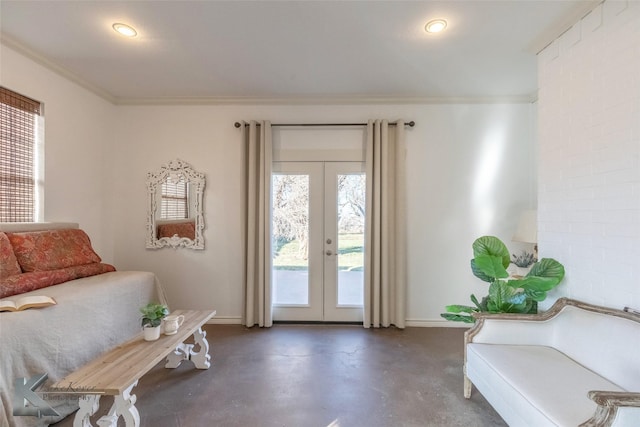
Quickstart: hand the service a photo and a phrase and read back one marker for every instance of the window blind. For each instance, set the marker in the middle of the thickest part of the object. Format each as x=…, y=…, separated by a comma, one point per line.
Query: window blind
x=18, y=127
x=174, y=203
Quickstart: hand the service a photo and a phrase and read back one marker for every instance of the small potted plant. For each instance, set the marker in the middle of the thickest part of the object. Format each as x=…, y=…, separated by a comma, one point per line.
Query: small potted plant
x=523, y=263
x=152, y=315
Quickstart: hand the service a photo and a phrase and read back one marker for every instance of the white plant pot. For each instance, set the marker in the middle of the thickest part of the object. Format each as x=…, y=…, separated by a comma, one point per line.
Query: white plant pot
x=151, y=333
x=523, y=271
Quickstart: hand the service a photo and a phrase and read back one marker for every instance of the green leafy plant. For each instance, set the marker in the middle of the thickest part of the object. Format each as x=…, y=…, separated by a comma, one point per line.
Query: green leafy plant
x=506, y=295
x=153, y=313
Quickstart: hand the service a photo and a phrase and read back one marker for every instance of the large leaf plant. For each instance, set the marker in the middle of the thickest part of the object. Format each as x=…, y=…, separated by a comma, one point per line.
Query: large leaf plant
x=506, y=294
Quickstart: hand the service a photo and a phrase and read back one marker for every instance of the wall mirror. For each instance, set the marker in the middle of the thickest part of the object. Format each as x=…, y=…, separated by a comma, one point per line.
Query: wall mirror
x=175, y=212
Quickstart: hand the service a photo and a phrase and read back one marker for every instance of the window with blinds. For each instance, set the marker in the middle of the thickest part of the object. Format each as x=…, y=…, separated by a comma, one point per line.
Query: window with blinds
x=18, y=134
x=174, y=203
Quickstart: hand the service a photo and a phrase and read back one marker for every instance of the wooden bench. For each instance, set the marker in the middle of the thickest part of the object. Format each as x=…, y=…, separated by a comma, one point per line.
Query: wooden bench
x=116, y=372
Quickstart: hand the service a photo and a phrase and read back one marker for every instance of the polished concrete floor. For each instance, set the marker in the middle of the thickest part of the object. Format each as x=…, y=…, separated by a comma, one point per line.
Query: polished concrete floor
x=316, y=376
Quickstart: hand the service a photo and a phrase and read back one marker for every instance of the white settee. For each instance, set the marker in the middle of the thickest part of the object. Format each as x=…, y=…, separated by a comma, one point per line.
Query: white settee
x=574, y=365
x=92, y=315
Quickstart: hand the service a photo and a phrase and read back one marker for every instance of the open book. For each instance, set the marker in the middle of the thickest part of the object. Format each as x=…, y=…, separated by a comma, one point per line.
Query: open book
x=31, y=301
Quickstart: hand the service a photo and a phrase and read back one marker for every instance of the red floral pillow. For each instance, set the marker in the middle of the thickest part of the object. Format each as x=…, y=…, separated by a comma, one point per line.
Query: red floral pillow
x=25, y=282
x=52, y=249
x=8, y=263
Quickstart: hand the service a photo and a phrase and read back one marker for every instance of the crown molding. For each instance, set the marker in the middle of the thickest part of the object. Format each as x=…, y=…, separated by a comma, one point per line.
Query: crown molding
x=562, y=25
x=52, y=66
x=325, y=100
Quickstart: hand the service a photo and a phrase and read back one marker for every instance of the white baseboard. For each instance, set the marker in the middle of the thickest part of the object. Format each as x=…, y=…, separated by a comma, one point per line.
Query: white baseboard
x=436, y=323
x=225, y=320
x=414, y=323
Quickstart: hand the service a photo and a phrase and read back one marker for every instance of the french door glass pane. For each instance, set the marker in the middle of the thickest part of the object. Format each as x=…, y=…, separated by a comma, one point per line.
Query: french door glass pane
x=351, y=214
x=290, y=257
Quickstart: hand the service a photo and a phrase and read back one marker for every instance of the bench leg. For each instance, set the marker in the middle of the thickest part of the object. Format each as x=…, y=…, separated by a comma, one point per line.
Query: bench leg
x=123, y=406
x=182, y=352
x=89, y=404
x=185, y=352
x=201, y=358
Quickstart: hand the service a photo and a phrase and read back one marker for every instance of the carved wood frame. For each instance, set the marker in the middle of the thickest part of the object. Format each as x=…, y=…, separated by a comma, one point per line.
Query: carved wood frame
x=175, y=168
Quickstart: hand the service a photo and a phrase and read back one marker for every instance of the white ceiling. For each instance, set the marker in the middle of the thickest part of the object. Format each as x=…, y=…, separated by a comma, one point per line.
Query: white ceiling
x=292, y=50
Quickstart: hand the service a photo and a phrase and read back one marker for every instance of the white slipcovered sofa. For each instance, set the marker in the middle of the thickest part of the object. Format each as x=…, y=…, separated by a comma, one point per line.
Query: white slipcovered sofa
x=574, y=365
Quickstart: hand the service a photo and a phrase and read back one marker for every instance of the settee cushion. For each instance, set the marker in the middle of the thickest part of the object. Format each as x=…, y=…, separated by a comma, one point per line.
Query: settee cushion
x=602, y=343
x=544, y=386
x=52, y=249
x=8, y=262
x=26, y=282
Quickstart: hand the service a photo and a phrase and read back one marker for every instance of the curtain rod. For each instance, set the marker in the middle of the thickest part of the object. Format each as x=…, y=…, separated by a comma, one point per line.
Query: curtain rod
x=238, y=124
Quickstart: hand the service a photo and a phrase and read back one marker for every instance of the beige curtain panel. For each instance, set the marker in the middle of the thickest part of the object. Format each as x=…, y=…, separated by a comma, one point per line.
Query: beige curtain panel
x=258, y=157
x=385, y=222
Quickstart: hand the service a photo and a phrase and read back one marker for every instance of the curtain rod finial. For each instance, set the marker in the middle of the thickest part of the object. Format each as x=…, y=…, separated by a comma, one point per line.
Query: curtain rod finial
x=411, y=123
x=237, y=124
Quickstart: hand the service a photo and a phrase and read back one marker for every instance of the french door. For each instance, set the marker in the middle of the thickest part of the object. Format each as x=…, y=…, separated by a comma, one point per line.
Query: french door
x=318, y=241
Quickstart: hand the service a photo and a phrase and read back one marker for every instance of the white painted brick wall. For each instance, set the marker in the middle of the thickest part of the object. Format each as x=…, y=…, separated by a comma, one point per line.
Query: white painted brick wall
x=589, y=156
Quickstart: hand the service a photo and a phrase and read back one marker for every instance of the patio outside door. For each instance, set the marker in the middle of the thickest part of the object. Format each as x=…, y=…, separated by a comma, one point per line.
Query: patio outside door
x=318, y=241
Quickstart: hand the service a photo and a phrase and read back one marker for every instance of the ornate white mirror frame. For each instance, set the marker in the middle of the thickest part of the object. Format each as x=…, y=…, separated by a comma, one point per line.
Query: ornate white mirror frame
x=175, y=171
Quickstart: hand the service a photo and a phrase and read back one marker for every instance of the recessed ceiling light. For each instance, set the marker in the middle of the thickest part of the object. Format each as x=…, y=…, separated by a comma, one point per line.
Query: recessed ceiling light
x=125, y=30
x=435, y=26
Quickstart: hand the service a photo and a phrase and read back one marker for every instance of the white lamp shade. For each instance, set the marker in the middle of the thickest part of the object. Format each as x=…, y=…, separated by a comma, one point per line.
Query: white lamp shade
x=527, y=230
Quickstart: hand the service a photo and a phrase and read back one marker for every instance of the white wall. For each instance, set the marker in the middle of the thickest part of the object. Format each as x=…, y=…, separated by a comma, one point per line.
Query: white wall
x=589, y=176
x=78, y=128
x=471, y=171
